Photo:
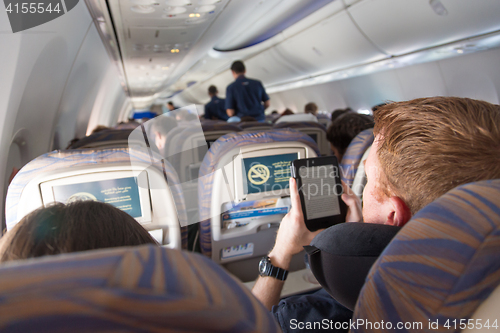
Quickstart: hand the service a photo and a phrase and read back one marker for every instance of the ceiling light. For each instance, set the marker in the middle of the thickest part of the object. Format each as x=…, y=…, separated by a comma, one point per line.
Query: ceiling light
x=365, y=111
x=177, y=3
x=142, y=9
x=207, y=2
x=438, y=7
x=174, y=50
x=205, y=9
x=164, y=68
x=194, y=15
x=174, y=10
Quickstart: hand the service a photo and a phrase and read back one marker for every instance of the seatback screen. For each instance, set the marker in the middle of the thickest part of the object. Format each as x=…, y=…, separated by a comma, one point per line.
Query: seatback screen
x=267, y=173
x=122, y=193
x=314, y=137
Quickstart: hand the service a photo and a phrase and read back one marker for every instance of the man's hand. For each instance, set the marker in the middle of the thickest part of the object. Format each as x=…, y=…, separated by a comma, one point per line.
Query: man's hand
x=293, y=233
x=354, y=210
x=292, y=236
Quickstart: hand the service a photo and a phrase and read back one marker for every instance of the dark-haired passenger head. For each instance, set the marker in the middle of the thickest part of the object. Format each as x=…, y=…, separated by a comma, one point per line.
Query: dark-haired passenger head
x=311, y=108
x=345, y=128
x=338, y=112
x=74, y=227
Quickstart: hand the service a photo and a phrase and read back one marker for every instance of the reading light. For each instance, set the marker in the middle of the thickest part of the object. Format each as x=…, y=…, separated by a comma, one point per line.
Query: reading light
x=178, y=3
x=165, y=68
x=143, y=2
x=207, y=2
x=174, y=50
x=194, y=15
x=174, y=10
x=142, y=9
x=205, y=9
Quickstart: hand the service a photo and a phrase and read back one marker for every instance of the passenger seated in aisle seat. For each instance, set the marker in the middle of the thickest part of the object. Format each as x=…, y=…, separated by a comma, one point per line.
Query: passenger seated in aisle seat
x=311, y=108
x=160, y=128
x=345, y=128
x=423, y=148
x=338, y=112
x=77, y=226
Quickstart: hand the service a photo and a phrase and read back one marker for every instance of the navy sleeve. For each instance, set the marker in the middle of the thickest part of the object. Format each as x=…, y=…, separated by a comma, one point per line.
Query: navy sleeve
x=265, y=97
x=229, y=98
x=207, y=114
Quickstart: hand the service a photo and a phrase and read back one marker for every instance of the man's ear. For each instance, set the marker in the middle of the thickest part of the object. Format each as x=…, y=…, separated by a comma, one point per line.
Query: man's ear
x=400, y=213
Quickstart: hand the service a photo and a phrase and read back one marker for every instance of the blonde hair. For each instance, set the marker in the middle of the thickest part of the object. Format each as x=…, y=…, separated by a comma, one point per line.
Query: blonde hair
x=429, y=146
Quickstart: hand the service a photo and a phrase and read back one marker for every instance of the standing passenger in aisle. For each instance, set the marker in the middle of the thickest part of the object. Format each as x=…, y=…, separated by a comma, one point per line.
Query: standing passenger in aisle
x=216, y=108
x=245, y=97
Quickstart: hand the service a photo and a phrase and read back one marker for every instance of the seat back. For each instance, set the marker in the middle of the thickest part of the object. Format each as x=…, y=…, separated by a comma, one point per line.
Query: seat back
x=354, y=154
x=130, y=125
x=324, y=119
x=297, y=117
x=191, y=145
x=315, y=130
x=246, y=172
x=255, y=126
x=111, y=138
x=87, y=173
x=440, y=267
x=130, y=289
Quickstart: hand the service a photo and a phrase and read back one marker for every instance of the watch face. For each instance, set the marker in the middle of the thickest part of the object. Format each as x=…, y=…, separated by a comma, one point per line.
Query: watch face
x=262, y=265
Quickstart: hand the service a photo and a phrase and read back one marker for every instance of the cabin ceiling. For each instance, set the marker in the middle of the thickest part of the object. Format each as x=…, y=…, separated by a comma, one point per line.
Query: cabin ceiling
x=173, y=46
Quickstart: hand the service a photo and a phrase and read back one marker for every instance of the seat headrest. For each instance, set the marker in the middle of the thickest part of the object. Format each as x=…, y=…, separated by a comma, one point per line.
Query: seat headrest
x=103, y=136
x=134, y=289
x=219, y=126
x=442, y=264
x=341, y=257
x=300, y=124
x=354, y=153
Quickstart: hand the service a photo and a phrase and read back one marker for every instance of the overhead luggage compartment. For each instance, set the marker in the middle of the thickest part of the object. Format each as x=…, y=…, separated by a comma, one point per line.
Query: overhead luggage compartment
x=332, y=44
x=400, y=27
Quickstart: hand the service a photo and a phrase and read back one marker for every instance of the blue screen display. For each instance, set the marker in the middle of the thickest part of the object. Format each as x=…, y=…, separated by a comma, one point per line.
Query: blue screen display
x=267, y=173
x=122, y=193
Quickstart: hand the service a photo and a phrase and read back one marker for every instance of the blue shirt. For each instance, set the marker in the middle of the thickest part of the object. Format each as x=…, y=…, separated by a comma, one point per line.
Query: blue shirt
x=245, y=96
x=216, y=108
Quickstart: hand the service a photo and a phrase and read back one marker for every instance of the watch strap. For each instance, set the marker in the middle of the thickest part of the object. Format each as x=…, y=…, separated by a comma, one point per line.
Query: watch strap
x=278, y=273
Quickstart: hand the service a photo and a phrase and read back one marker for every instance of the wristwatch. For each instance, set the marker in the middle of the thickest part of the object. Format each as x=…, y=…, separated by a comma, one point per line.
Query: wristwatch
x=267, y=269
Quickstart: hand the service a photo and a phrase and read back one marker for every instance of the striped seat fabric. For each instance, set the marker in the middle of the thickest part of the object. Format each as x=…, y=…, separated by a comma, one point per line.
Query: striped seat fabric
x=218, y=149
x=440, y=267
x=219, y=126
x=134, y=289
x=354, y=153
x=255, y=125
x=91, y=158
